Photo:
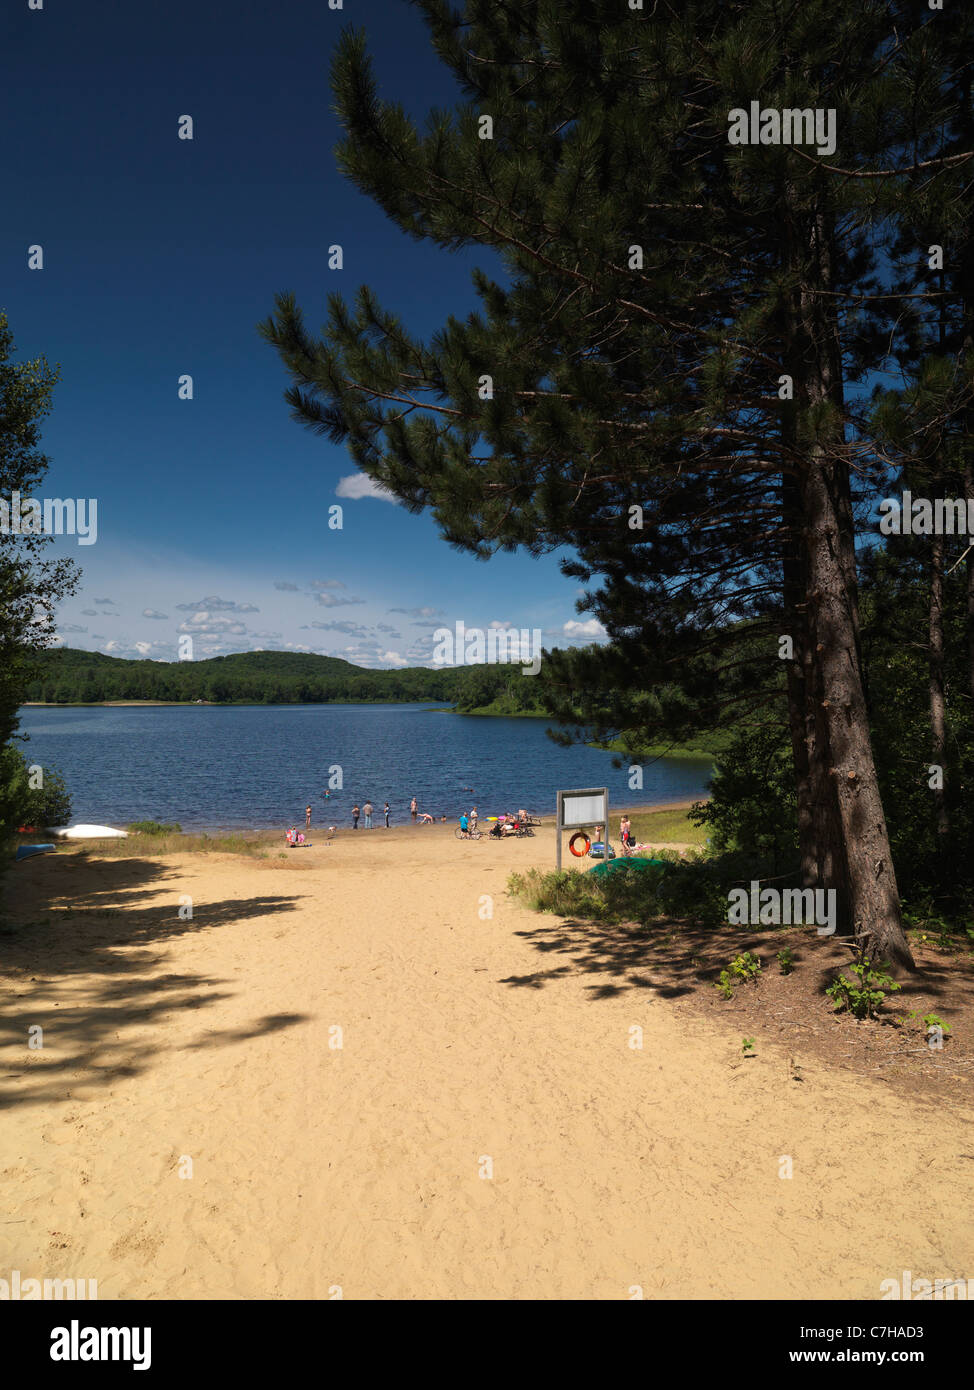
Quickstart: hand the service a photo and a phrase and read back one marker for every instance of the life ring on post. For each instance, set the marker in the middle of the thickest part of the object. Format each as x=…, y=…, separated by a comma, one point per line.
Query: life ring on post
x=580, y=853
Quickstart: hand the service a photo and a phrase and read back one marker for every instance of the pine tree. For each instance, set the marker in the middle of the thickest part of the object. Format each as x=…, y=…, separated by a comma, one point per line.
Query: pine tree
x=658, y=378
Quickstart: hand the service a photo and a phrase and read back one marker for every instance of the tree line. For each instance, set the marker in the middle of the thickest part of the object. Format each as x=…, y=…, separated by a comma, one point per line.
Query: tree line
x=70, y=676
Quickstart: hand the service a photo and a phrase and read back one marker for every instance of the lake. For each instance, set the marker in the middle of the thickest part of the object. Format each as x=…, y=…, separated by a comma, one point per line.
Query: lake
x=229, y=767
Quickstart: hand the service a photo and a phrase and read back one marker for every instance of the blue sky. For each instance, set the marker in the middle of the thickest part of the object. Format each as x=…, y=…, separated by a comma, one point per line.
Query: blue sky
x=160, y=257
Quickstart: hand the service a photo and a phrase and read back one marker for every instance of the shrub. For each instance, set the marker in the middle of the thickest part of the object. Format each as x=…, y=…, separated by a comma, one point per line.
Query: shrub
x=863, y=995
x=154, y=827
x=23, y=804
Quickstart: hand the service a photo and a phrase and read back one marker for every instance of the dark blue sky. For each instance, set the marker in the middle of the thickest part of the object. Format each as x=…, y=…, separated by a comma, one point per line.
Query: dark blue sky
x=160, y=257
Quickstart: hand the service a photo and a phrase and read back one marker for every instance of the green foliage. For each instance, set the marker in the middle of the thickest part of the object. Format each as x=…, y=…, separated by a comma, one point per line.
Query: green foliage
x=930, y=1021
x=22, y=804
x=69, y=675
x=746, y=966
x=864, y=995
x=30, y=584
x=752, y=798
x=747, y=1045
x=743, y=968
x=673, y=889
x=786, y=960
x=934, y=869
x=154, y=827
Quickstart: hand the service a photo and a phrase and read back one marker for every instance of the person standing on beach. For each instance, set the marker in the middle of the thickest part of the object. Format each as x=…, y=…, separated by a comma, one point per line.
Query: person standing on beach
x=385, y=812
x=307, y=817
x=367, y=813
x=473, y=818
x=413, y=808
x=355, y=815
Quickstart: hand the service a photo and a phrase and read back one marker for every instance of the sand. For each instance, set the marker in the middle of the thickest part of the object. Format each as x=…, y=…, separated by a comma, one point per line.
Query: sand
x=384, y=1088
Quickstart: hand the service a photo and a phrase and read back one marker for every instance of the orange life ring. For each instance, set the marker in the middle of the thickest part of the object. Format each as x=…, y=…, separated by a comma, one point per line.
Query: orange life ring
x=580, y=853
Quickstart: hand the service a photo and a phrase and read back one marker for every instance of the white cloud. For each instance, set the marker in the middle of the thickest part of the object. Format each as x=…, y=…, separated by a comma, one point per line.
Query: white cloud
x=334, y=601
x=217, y=605
x=591, y=629
x=357, y=486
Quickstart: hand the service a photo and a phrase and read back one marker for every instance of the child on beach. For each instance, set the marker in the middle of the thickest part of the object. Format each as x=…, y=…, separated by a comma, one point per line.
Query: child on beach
x=355, y=816
x=385, y=812
x=625, y=834
x=307, y=817
x=367, y=813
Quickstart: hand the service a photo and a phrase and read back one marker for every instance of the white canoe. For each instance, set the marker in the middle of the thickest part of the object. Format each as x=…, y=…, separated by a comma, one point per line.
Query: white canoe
x=85, y=832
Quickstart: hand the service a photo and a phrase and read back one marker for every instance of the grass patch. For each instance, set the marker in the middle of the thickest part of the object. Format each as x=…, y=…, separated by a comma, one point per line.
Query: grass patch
x=708, y=746
x=677, y=888
x=664, y=825
x=158, y=843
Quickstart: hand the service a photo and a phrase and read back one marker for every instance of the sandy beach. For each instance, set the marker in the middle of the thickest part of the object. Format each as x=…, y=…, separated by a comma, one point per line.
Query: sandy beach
x=362, y=1070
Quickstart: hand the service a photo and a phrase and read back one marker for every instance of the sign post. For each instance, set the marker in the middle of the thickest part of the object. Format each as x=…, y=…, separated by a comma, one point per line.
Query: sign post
x=575, y=809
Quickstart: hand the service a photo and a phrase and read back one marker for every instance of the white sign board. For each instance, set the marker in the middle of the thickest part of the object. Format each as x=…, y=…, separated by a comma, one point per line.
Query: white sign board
x=583, y=807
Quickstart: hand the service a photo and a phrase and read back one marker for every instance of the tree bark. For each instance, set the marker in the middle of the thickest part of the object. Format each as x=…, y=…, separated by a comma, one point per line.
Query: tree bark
x=863, y=868
x=938, y=705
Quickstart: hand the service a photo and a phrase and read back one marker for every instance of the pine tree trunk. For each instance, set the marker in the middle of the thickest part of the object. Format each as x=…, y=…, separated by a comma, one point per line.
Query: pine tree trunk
x=797, y=696
x=967, y=445
x=863, y=866
x=938, y=709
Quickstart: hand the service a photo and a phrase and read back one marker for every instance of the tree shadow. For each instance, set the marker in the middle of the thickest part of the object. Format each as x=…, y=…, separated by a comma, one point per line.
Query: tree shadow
x=673, y=958
x=629, y=956
x=81, y=928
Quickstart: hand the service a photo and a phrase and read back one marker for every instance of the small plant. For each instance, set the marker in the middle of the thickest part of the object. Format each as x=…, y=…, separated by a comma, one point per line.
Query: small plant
x=863, y=995
x=747, y=1046
x=746, y=966
x=154, y=827
x=743, y=967
x=930, y=1021
x=786, y=961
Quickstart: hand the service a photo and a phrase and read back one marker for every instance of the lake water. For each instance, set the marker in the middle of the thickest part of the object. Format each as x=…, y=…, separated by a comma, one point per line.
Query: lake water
x=211, y=767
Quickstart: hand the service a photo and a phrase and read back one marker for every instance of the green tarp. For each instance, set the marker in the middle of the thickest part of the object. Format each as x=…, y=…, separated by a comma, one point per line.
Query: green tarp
x=635, y=861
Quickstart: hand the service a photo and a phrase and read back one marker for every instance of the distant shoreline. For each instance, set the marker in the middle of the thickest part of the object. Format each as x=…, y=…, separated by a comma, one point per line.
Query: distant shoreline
x=274, y=832
x=219, y=704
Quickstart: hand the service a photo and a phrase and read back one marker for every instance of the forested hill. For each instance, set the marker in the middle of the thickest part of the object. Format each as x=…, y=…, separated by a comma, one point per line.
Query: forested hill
x=69, y=676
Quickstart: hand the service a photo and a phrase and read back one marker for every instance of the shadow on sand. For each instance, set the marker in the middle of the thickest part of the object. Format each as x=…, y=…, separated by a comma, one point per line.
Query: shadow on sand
x=97, y=955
